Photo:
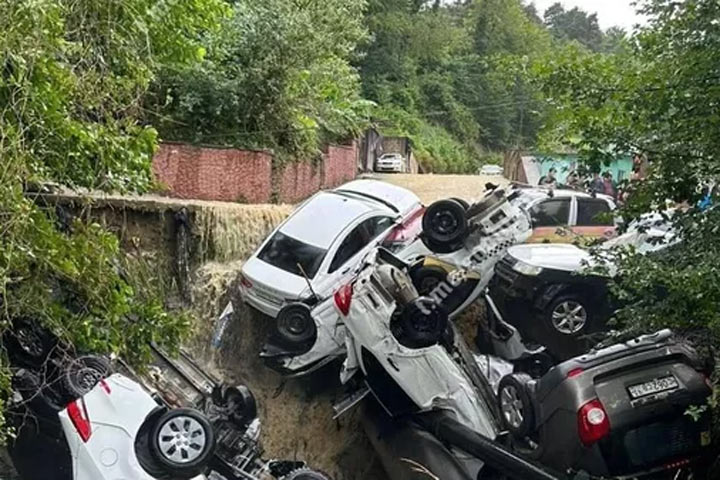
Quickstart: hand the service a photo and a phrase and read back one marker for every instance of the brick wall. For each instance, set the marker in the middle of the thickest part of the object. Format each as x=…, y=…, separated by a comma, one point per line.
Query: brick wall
x=233, y=175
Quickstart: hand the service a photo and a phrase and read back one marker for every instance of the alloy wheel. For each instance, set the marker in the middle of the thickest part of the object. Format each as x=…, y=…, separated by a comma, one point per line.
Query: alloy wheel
x=569, y=317
x=182, y=439
x=511, y=406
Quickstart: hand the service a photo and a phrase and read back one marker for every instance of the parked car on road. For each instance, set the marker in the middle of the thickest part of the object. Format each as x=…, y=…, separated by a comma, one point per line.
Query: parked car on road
x=390, y=162
x=621, y=411
x=490, y=170
x=316, y=248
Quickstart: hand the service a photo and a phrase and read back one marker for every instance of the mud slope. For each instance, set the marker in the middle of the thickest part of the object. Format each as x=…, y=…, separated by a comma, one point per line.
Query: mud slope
x=296, y=414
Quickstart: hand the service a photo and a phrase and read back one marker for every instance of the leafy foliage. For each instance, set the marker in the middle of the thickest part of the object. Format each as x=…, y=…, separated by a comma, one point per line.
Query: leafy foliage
x=452, y=77
x=659, y=97
x=71, y=78
x=276, y=75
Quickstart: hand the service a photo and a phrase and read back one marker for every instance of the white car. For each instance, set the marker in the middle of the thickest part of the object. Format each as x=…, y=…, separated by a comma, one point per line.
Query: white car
x=104, y=427
x=390, y=162
x=319, y=245
x=491, y=170
x=409, y=355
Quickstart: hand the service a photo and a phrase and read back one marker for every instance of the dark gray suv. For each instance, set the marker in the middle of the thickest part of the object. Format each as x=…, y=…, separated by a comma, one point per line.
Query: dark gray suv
x=620, y=411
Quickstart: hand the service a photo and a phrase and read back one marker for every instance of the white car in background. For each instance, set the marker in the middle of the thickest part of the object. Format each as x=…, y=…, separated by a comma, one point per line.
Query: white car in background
x=390, y=162
x=490, y=170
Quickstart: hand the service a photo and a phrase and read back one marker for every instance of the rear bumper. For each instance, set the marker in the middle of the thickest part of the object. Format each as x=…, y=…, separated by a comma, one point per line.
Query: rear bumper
x=255, y=301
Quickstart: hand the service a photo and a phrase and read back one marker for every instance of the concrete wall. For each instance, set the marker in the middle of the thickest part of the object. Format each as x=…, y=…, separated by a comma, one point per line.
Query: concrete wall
x=233, y=175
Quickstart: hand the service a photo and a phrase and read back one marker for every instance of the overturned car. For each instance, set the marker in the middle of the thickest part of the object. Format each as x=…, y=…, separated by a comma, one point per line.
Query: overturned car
x=615, y=411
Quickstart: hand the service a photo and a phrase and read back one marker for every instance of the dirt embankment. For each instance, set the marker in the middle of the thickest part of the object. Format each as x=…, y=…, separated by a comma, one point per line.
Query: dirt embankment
x=296, y=414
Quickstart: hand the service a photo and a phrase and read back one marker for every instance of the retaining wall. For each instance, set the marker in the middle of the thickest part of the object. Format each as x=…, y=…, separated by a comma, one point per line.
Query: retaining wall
x=246, y=176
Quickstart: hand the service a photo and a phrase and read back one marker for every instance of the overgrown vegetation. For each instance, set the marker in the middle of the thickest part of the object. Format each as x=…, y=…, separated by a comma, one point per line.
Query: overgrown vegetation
x=71, y=78
x=660, y=96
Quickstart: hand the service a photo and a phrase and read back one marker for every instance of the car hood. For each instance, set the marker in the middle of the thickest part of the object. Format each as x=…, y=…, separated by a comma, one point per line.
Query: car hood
x=552, y=256
x=273, y=280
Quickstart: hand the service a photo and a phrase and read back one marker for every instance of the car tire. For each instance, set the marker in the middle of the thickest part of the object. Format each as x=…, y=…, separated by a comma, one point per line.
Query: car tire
x=568, y=316
x=306, y=474
x=295, y=324
x=37, y=395
x=422, y=323
x=426, y=279
x=82, y=374
x=243, y=404
x=444, y=223
x=462, y=202
x=516, y=407
x=28, y=344
x=182, y=441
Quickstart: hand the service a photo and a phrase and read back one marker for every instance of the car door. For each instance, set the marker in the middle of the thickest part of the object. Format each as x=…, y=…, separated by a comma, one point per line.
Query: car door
x=550, y=221
x=593, y=219
x=353, y=248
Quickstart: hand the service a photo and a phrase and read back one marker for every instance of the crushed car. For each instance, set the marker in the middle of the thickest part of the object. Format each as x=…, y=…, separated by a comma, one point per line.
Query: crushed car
x=317, y=248
x=596, y=414
x=94, y=419
x=551, y=293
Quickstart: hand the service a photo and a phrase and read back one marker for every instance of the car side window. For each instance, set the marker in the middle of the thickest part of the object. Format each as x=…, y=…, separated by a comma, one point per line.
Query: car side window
x=377, y=225
x=592, y=212
x=551, y=213
x=353, y=243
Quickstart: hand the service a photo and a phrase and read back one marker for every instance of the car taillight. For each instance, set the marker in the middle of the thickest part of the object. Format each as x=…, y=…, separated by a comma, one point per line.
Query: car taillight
x=574, y=372
x=593, y=422
x=343, y=297
x=245, y=282
x=79, y=417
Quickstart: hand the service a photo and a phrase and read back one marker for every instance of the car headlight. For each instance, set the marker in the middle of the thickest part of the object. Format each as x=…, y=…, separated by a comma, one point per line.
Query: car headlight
x=527, y=269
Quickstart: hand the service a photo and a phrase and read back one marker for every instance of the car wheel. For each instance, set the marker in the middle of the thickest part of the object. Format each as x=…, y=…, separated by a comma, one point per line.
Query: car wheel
x=82, y=374
x=28, y=344
x=182, y=441
x=422, y=323
x=569, y=315
x=295, y=324
x=515, y=404
x=444, y=223
x=462, y=202
x=243, y=406
x=305, y=474
x=426, y=279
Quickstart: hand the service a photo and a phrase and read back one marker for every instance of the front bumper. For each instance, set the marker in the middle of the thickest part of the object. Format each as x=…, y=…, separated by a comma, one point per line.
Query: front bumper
x=389, y=168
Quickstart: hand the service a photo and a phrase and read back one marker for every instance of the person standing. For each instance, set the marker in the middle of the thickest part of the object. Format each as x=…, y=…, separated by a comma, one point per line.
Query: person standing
x=596, y=184
x=549, y=180
x=609, y=187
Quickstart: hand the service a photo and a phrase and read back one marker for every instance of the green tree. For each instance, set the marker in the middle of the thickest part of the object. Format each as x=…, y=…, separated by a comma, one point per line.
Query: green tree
x=658, y=97
x=574, y=25
x=71, y=78
x=276, y=75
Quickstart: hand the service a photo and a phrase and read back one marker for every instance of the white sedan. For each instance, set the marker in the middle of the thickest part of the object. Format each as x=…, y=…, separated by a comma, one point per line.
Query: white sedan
x=390, y=162
x=319, y=245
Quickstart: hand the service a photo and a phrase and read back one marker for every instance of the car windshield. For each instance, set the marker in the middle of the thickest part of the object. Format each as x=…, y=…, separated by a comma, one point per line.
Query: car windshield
x=286, y=253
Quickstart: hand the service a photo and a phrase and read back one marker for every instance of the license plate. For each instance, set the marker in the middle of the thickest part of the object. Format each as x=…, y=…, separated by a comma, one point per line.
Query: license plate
x=658, y=385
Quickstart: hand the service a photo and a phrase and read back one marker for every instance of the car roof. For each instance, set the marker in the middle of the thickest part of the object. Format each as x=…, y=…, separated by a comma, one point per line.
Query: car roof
x=396, y=199
x=321, y=219
x=541, y=192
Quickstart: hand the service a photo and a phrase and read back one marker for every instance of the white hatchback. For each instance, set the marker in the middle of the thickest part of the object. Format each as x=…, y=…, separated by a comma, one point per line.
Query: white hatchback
x=105, y=430
x=318, y=246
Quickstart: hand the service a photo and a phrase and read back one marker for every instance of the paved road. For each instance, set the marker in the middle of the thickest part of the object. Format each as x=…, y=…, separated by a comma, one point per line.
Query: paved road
x=434, y=187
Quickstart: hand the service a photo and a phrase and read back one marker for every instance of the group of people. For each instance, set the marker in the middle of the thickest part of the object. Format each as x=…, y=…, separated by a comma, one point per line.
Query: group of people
x=597, y=184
